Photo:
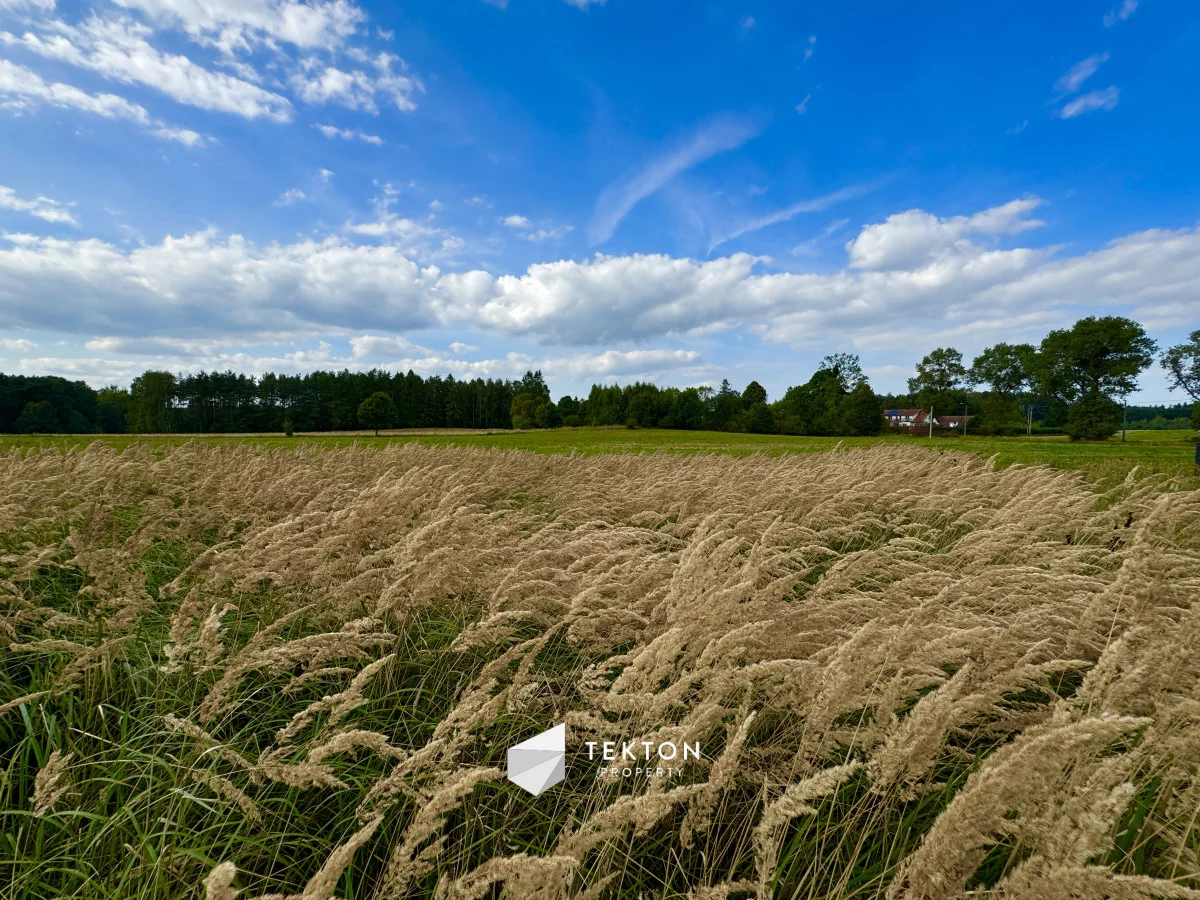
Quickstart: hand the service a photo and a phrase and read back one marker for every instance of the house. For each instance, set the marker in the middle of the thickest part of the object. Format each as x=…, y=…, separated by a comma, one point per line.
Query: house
x=954, y=421
x=906, y=418
x=912, y=418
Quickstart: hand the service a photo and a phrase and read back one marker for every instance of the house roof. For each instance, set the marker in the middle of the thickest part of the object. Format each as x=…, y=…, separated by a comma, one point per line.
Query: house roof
x=957, y=420
x=908, y=413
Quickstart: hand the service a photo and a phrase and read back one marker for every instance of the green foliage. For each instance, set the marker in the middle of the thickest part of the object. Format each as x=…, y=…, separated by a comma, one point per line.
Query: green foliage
x=58, y=405
x=1097, y=356
x=754, y=393
x=1093, y=417
x=1182, y=363
x=547, y=415
x=151, y=403
x=823, y=406
x=1004, y=367
x=524, y=410
x=759, y=420
x=846, y=367
x=862, y=411
x=377, y=411
x=999, y=414
x=113, y=408
x=288, y=428
x=940, y=376
x=38, y=417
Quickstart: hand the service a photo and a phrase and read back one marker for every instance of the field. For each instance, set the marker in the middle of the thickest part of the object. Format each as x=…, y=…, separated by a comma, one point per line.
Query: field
x=230, y=668
x=1167, y=452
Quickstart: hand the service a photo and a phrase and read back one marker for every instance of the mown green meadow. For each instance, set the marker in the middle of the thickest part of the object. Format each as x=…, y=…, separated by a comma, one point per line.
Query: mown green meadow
x=1167, y=452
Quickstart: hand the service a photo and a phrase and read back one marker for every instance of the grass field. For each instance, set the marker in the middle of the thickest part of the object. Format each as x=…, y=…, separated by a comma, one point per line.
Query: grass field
x=1167, y=452
x=228, y=673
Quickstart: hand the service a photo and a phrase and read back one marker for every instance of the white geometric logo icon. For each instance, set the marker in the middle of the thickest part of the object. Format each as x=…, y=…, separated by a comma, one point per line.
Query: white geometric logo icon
x=539, y=763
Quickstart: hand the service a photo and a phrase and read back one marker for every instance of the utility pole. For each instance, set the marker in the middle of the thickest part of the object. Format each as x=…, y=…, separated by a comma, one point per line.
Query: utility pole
x=931, y=421
x=964, y=420
x=1028, y=418
x=1124, y=417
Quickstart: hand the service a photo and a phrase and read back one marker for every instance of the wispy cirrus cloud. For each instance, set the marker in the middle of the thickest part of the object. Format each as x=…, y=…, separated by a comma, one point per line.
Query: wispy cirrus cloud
x=1105, y=99
x=719, y=135
x=1073, y=79
x=1126, y=10
x=815, y=204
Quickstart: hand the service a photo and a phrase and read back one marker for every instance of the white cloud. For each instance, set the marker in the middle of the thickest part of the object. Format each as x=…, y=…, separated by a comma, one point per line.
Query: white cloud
x=21, y=344
x=913, y=278
x=802, y=106
x=1073, y=79
x=1105, y=99
x=460, y=348
x=517, y=222
x=290, y=196
x=349, y=134
x=719, y=135
x=24, y=89
x=1120, y=15
x=319, y=84
x=582, y=4
x=547, y=234
x=239, y=25
x=45, y=5
x=120, y=50
x=368, y=346
x=914, y=239
x=747, y=23
x=812, y=45
x=42, y=207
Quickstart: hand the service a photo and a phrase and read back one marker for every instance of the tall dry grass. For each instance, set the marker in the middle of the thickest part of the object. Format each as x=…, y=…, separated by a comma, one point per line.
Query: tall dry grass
x=913, y=676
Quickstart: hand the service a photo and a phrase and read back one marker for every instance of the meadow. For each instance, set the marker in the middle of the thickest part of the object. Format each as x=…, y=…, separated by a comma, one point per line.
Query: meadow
x=290, y=668
x=1166, y=452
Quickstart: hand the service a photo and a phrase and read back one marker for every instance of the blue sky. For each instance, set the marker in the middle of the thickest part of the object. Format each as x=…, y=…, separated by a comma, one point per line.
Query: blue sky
x=609, y=191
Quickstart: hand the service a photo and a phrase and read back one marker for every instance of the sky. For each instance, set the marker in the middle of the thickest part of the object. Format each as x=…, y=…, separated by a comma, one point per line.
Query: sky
x=607, y=190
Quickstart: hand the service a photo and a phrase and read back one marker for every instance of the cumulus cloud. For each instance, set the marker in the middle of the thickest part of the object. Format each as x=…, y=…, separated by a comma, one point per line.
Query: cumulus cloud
x=349, y=134
x=290, y=196
x=44, y=5
x=120, y=50
x=369, y=346
x=1105, y=99
x=319, y=84
x=517, y=222
x=460, y=348
x=1073, y=79
x=911, y=277
x=719, y=135
x=912, y=239
x=239, y=25
x=24, y=89
x=41, y=207
x=22, y=344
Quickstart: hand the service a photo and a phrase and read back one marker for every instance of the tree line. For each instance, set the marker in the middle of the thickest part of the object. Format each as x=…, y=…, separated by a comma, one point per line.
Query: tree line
x=1074, y=380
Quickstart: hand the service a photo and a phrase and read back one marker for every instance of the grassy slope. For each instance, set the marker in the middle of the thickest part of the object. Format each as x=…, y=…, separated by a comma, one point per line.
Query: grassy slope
x=1168, y=452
